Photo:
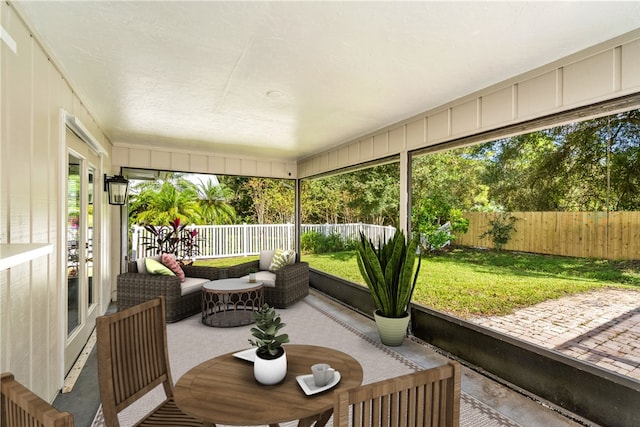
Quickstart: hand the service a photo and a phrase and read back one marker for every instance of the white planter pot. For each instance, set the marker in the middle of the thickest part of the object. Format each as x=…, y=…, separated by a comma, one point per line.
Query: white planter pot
x=392, y=330
x=270, y=371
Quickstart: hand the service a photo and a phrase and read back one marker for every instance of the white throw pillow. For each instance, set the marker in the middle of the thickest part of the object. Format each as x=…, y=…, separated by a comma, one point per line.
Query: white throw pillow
x=140, y=263
x=265, y=259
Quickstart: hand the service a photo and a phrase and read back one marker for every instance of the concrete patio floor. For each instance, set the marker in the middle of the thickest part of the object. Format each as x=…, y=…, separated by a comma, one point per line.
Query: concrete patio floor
x=524, y=409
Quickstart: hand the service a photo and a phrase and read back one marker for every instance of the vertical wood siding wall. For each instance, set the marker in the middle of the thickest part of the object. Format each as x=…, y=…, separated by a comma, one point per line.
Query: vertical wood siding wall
x=32, y=160
x=612, y=235
x=200, y=162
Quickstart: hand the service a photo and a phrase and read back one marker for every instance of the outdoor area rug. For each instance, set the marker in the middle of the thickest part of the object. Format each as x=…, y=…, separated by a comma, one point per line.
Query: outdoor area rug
x=191, y=343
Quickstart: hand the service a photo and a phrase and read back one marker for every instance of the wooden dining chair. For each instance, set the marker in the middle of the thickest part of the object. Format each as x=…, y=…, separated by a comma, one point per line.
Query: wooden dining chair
x=20, y=407
x=132, y=360
x=425, y=398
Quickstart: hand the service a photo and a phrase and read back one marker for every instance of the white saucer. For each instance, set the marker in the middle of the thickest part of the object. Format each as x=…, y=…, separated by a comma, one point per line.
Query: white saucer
x=309, y=386
x=249, y=354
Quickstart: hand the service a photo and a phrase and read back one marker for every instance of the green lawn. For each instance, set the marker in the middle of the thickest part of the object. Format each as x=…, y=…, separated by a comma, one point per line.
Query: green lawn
x=226, y=262
x=467, y=282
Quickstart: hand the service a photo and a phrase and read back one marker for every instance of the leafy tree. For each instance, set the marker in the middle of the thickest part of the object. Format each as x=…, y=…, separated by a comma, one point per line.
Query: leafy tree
x=583, y=166
x=239, y=198
x=321, y=200
x=272, y=200
x=374, y=194
x=513, y=174
x=281, y=196
x=368, y=195
x=626, y=179
x=452, y=177
x=443, y=186
x=622, y=131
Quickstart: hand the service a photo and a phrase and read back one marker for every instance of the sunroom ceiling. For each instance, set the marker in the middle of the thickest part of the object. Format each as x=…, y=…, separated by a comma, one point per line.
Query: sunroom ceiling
x=289, y=79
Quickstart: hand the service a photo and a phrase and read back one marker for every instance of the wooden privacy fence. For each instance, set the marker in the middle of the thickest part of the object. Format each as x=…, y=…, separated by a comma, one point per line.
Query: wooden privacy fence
x=609, y=235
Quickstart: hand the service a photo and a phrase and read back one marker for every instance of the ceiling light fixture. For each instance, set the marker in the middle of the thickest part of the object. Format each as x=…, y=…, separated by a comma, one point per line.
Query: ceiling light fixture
x=274, y=94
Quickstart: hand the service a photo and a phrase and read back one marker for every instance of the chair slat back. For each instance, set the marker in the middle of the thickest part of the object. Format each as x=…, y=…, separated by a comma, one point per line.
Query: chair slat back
x=132, y=356
x=20, y=407
x=425, y=398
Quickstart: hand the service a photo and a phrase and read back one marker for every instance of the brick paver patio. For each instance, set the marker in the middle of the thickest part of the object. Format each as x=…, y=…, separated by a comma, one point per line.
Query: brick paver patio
x=601, y=327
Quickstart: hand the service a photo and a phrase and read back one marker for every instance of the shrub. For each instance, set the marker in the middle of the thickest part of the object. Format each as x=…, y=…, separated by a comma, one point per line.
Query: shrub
x=174, y=238
x=318, y=243
x=501, y=228
x=309, y=242
x=438, y=222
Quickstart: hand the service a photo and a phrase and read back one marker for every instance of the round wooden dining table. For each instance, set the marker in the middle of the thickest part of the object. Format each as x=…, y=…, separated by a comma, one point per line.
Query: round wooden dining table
x=223, y=390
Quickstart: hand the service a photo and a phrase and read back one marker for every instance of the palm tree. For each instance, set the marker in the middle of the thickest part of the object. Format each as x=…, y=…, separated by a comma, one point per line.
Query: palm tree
x=161, y=206
x=214, y=208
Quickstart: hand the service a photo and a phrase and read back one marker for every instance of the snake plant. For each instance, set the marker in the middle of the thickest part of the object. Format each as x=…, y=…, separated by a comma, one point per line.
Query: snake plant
x=388, y=271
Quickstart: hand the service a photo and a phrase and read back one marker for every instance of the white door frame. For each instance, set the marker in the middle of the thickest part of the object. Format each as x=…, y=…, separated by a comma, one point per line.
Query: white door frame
x=93, y=149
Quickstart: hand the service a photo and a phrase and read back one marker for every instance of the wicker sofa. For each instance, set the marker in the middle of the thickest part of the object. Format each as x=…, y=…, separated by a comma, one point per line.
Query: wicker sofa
x=282, y=288
x=134, y=288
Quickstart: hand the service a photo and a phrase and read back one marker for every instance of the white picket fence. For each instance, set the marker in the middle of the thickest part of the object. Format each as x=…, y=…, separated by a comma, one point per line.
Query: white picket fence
x=219, y=241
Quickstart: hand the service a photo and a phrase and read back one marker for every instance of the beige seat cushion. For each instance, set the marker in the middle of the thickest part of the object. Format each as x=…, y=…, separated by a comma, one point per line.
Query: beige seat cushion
x=191, y=285
x=267, y=278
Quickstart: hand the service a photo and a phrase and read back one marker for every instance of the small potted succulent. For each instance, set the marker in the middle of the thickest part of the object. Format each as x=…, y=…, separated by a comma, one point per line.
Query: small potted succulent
x=270, y=364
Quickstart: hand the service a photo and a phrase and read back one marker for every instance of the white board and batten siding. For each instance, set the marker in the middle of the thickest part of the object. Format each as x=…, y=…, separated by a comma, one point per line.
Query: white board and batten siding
x=603, y=72
x=32, y=164
x=200, y=162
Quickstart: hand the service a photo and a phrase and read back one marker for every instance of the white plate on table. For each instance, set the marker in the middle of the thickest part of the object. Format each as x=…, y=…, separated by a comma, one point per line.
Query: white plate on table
x=309, y=387
x=249, y=354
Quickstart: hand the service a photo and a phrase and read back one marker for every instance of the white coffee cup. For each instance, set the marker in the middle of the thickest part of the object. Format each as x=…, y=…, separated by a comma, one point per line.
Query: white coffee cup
x=322, y=374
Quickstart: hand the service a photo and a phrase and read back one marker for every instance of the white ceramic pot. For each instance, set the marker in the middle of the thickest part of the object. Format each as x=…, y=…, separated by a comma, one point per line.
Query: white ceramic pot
x=270, y=371
x=392, y=330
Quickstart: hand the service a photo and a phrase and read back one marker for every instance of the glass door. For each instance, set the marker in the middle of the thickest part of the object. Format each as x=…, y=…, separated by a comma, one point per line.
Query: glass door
x=82, y=229
x=73, y=243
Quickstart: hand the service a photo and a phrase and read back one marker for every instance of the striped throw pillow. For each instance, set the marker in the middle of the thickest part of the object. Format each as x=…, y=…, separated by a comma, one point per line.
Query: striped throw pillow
x=280, y=259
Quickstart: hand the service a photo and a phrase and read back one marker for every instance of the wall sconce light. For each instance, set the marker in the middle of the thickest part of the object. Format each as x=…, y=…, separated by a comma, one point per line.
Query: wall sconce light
x=117, y=187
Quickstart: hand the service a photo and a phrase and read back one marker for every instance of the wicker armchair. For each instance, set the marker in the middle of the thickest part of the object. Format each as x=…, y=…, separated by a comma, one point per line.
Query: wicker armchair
x=135, y=288
x=291, y=282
